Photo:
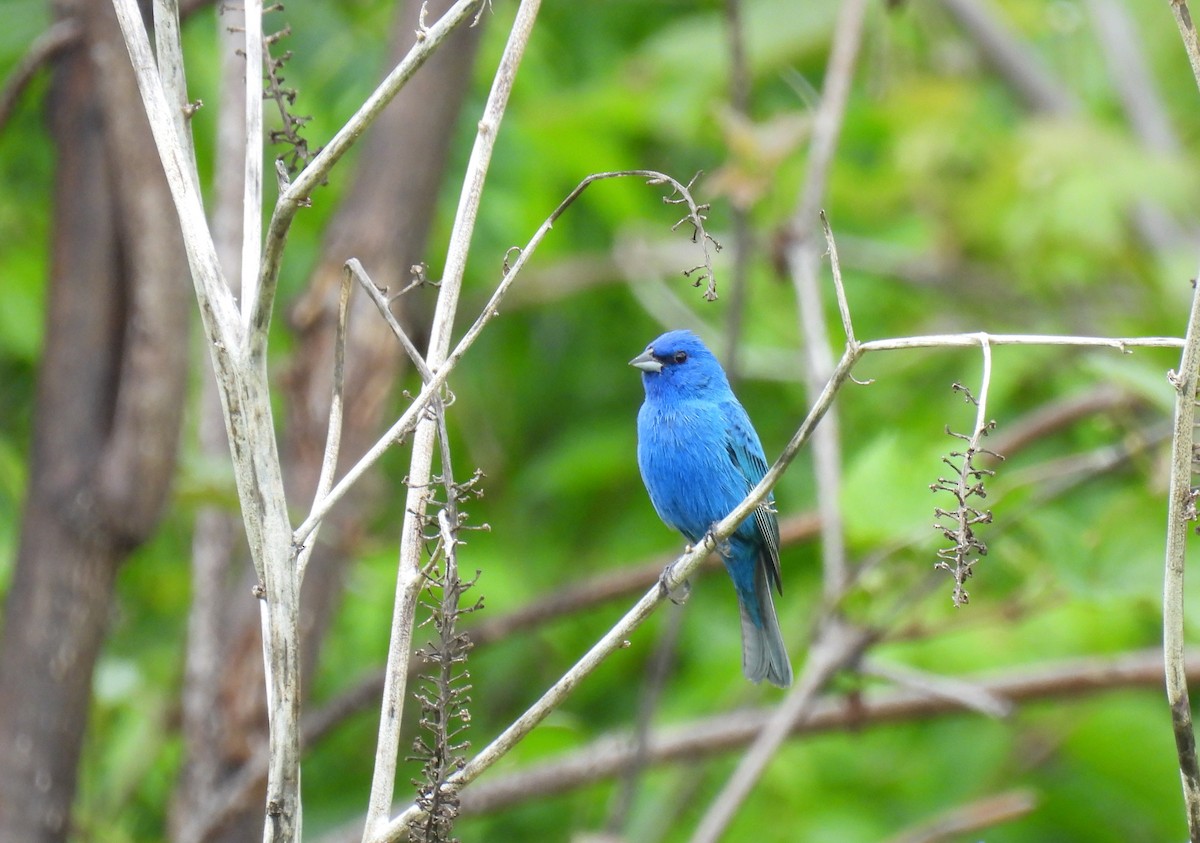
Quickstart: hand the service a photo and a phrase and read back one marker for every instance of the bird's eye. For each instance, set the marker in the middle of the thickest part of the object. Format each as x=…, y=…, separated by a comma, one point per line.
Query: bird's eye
x=680, y=356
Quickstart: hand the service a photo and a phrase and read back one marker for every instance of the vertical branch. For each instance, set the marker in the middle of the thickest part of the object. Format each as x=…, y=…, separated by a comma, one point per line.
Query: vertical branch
x=985, y=384
x=1181, y=509
x=839, y=289
x=253, y=198
x=409, y=575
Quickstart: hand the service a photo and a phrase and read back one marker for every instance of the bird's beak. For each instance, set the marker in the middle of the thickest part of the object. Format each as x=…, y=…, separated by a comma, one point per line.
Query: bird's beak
x=646, y=362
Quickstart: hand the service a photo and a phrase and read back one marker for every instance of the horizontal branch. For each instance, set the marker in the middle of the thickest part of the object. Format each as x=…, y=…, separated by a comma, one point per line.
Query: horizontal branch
x=973, y=339
x=730, y=731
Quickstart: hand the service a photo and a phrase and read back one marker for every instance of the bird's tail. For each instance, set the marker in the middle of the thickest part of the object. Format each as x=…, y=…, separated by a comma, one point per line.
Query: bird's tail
x=763, y=653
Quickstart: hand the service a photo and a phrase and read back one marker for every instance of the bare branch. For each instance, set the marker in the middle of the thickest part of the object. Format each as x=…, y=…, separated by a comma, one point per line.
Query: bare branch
x=838, y=287
x=1181, y=511
x=354, y=268
x=216, y=302
x=1122, y=344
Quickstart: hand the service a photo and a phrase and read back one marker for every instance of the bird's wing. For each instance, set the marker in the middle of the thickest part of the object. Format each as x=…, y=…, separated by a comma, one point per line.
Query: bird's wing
x=746, y=453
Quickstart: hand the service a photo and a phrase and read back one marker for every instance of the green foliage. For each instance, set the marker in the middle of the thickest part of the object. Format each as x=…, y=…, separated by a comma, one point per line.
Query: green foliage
x=1019, y=223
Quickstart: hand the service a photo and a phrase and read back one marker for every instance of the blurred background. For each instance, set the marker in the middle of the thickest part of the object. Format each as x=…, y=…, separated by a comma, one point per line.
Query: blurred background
x=1012, y=166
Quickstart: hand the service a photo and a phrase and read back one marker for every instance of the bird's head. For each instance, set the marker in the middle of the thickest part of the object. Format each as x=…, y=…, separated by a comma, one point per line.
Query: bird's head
x=678, y=363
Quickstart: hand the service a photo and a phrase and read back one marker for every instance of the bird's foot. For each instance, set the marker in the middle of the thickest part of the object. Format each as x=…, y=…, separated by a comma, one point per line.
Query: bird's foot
x=720, y=545
x=679, y=594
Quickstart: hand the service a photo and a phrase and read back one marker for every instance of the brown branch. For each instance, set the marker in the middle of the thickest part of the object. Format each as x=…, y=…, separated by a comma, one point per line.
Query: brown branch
x=731, y=731
x=45, y=48
x=973, y=816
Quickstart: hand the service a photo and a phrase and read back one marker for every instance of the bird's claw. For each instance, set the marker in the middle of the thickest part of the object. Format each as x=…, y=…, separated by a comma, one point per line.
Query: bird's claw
x=680, y=594
x=720, y=545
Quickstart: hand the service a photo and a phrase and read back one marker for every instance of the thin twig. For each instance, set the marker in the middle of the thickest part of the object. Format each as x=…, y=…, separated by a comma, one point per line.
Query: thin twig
x=355, y=268
x=838, y=287
x=1122, y=344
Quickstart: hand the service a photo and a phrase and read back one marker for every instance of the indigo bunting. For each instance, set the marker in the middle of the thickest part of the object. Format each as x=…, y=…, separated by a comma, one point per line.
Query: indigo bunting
x=699, y=457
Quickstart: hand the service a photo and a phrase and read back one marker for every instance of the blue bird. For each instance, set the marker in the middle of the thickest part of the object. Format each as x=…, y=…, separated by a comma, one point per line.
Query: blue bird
x=699, y=457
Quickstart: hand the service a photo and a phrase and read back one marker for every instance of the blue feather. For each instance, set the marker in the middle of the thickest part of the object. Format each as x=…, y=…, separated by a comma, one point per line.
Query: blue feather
x=699, y=457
